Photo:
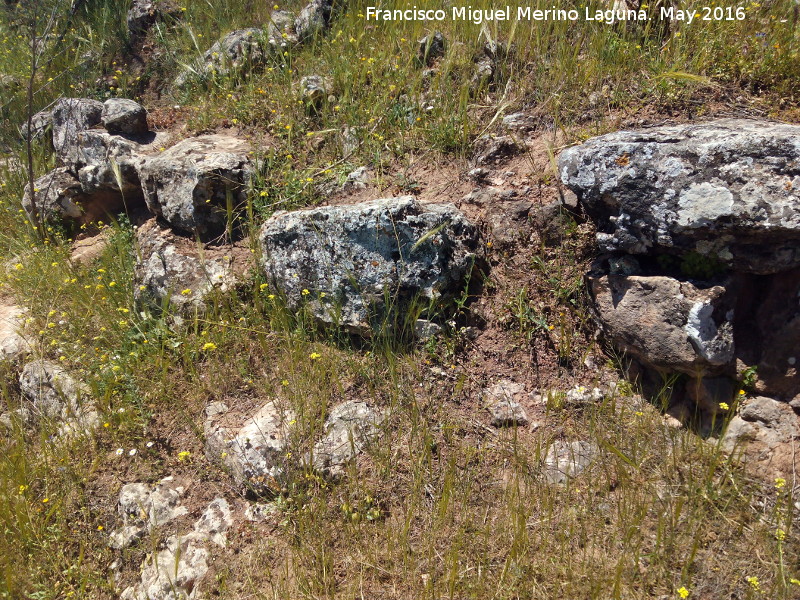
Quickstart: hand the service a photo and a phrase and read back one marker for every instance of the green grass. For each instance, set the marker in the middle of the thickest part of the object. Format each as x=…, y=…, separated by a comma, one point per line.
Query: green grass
x=442, y=507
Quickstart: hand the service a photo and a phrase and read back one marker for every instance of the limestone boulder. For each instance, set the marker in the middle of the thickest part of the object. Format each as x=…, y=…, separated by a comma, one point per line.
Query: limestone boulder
x=199, y=185
x=667, y=324
x=726, y=189
x=359, y=266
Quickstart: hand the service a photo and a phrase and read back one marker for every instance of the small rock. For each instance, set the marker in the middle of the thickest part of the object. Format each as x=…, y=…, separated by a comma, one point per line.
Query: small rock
x=172, y=270
x=566, y=460
x=192, y=184
x=478, y=174
x=253, y=451
x=124, y=116
x=41, y=123
x=12, y=343
x=360, y=264
x=357, y=180
x=349, y=428
x=260, y=511
x=314, y=90
x=581, y=396
x=519, y=122
x=425, y=329
x=492, y=150
x=313, y=19
x=431, y=47
x=54, y=394
x=143, y=508
x=501, y=400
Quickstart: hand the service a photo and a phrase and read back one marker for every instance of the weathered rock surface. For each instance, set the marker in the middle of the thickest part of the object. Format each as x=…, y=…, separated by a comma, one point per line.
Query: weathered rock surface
x=177, y=270
x=667, y=324
x=143, y=14
x=41, y=123
x=503, y=401
x=727, y=189
x=431, y=47
x=254, y=448
x=198, y=184
x=58, y=196
x=354, y=265
x=123, y=116
x=566, y=460
x=767, y=433
x=313, y=19
x=235, y=51
x=71, y=116
x=144, y=507
x=12, y=343
x=349, y=428
x=53, y=394
x=177, y=571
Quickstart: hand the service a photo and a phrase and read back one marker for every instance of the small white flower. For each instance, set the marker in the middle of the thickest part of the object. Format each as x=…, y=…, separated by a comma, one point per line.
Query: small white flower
x=149, y=444
x=120, y=451
x=121, y=410
x=132, y=452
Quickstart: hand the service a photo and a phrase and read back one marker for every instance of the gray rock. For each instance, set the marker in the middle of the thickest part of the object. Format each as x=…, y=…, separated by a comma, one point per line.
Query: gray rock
x=502, y=400
x=425, y=329
x=168, y=265
x=431, y=47
x=349, y=428
x=199, y=184
x=57, y=196
x=53, y=394
x=124, y=116
x=765, y=435
x=519, y=121
x=580, y=395
x=229, y=55
x=280, y=32
x=313, y=19
x=253, y=451
x=70, y=117
x=144, y=508
x=314, y=89
x=363, y=263
x=41, y=124
x=725, y=189
x=667, y=324
x=177, y=571
x=13, y=343
x=260, y=511
x=141, y=16
x=495, y=149
x=566, y=460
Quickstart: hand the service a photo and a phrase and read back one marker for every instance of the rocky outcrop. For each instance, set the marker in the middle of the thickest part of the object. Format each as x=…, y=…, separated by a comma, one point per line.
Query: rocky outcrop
x=701, y=270
x=199, y=185
x=359, y=266
x=176, y=572
x=728, y=190
x=178, y=272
